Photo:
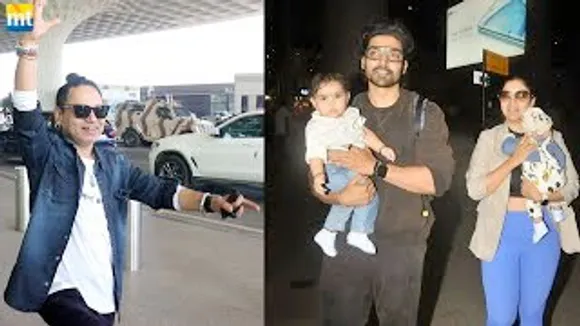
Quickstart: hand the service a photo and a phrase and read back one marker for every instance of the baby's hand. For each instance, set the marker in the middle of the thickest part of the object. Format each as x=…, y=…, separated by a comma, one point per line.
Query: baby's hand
x=388, y=153
x=320, y=184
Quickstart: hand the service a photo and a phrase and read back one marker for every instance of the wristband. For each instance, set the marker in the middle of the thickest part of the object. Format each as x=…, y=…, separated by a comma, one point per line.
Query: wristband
x=206, y=203
x=26, y=51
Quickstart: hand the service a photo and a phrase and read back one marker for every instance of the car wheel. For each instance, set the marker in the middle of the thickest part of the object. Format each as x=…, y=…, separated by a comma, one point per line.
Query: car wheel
x=173, y=166
x=131, y=138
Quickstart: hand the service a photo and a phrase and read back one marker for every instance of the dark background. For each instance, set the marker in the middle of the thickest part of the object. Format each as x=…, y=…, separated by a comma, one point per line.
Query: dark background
x=299, y=43
x=305, y=37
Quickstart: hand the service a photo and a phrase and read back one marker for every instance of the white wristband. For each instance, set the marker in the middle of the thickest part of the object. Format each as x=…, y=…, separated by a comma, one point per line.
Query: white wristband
x=202, y=202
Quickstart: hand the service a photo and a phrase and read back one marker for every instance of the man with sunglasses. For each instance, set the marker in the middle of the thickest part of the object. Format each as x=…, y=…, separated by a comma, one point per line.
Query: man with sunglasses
x=70, y=265
x=352, y=283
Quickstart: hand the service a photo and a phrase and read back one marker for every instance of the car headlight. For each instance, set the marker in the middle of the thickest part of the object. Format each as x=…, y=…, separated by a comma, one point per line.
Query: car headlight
x=155, y=144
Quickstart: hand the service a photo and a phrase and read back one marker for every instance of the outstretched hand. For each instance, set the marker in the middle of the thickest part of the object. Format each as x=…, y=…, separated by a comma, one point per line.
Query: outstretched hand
x=237, y=207
x=41, y=26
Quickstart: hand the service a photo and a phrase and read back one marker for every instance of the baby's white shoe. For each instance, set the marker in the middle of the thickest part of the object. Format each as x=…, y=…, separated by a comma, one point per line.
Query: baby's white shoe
x=540, y=231
x=361, y=241
x=326, y=239
x=558, y=215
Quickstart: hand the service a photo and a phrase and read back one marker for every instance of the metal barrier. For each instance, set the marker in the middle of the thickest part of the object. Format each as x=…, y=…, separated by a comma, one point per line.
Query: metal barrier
x=134, y=221
x=134, y=213
x=22, y=199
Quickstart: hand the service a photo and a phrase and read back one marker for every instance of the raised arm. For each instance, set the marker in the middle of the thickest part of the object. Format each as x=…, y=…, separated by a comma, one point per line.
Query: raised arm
x=26, y=68
x=28, y=121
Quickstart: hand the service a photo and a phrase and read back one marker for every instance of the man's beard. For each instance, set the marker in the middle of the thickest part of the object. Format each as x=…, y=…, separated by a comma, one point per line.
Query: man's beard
x=386, y=79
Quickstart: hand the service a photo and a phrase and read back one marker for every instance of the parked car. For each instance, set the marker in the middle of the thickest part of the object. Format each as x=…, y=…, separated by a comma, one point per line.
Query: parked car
x=234, y=151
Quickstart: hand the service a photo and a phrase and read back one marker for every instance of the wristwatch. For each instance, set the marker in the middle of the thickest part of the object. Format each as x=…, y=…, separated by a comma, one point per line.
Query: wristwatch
x=380, y=170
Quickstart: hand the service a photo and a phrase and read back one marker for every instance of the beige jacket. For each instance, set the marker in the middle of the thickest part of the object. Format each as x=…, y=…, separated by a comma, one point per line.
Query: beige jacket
x=492, y=208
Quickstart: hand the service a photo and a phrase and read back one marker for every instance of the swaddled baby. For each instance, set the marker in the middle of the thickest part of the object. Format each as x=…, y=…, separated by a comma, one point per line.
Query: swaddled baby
x=544, y=167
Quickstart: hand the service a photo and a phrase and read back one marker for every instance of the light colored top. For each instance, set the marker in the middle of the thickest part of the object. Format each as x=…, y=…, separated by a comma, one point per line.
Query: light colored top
x=492, y=208
x=86, y=263
x=324, y=133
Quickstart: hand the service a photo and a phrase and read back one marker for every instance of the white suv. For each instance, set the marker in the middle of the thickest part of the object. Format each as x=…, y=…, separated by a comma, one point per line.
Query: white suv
x=234, y=152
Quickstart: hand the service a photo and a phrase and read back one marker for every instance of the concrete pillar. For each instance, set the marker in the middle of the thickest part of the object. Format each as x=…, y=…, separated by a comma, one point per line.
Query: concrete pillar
x=22, y=199
x=71, y=14
x=252, y=102
x=134, y=214
x=237, y=104
x=50, y=74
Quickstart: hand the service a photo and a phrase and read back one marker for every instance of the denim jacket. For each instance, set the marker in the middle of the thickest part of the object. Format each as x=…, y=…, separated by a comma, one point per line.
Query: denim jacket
x=56, y=173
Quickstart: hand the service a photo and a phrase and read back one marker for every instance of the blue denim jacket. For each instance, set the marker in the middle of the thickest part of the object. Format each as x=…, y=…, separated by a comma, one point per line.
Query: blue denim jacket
x=56, y=174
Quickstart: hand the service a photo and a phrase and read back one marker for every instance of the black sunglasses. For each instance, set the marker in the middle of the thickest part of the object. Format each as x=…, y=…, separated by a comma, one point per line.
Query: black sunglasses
x=84, y=111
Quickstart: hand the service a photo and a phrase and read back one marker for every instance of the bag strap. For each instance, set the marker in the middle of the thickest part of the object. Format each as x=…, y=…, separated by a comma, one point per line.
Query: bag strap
x=418, y=124
x=419, y=117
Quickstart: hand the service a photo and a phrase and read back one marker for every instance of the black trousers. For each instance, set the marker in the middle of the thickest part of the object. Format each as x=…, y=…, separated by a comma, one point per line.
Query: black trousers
x=68, y=308
x=353, y=281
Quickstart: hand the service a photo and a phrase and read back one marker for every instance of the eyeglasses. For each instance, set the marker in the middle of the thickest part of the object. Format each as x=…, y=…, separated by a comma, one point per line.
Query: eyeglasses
x=84, y=111
x=519, y=95
x=392, y=54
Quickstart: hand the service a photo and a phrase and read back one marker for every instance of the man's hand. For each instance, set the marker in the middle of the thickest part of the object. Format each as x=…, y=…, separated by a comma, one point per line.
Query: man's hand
x=530, y=191
x=358, y=192
x=355, y=159
x=219, y=202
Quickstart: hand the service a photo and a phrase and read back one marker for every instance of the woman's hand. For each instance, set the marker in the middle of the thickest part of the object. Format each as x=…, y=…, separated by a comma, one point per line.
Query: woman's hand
x=40, y=25
x=530, y=191
x=526, y=146
x=355, y=159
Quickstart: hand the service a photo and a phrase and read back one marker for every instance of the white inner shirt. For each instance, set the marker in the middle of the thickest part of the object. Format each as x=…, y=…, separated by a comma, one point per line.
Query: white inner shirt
x=86, y=263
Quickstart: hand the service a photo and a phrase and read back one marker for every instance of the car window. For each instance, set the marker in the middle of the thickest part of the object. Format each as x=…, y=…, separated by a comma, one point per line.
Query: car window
x=163, y=112
x=246, y=127
x=182, y=112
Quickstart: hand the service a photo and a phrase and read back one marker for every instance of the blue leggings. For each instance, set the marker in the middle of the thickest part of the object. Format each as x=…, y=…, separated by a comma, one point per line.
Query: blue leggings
x=520, y=276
